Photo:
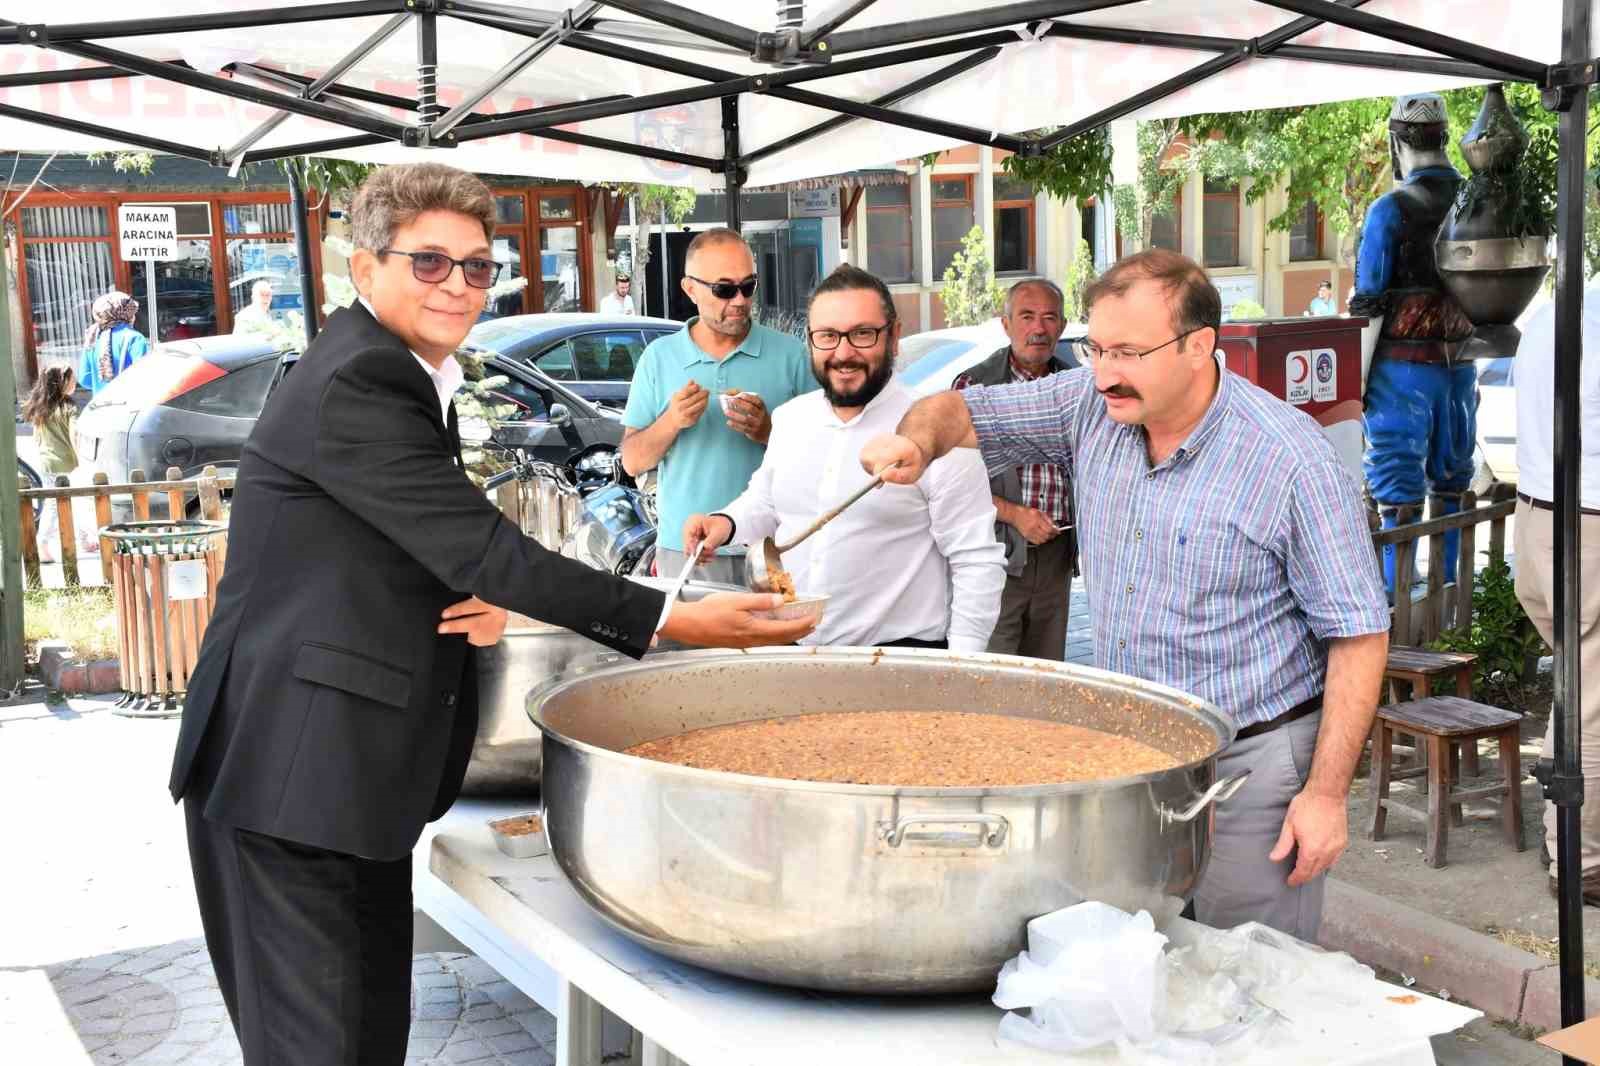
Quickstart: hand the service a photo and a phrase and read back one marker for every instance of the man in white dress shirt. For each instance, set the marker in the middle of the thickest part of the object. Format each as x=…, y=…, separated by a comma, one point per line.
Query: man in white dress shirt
x=619, y=302
x=1534, y=377
x=909, y=565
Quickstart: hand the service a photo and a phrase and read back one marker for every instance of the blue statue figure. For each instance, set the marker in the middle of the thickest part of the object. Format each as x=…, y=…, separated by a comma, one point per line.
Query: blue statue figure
x=1421, y=397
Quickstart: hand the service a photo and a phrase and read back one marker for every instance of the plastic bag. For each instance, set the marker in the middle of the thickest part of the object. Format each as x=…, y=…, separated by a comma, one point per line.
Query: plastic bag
x=1093, y=975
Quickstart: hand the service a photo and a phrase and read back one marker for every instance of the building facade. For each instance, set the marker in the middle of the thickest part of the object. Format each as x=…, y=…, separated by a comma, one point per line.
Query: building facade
x=64, y=250
x=907, y=234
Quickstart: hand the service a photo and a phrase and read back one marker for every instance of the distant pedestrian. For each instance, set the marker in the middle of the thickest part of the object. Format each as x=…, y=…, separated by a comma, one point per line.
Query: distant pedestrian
x=110, y=344
x=50, y=411
x=619, y=302
x=1323, y=303
x=258, y=315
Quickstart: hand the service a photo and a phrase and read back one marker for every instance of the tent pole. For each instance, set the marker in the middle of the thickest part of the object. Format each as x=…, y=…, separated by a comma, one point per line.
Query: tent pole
x=691, y=21
x=532, y=23
x=225, y=20
x=981, y=18
x=1391, y=30
x=195, y=79
x=928, y=81
x=302, y=247
x=733, y=170
x=120, y=136
x=822, y=25
x=575, y=17
x=1239, y=52
x=1564, y=780
x=12, y=668
x=316, y=88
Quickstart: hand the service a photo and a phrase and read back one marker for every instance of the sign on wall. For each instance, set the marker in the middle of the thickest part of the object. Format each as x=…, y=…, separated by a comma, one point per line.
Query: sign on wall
x=814, y=203
x=148, y=232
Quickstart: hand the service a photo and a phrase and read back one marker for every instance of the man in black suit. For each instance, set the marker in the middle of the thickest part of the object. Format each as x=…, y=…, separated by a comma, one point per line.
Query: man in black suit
x=333, y=707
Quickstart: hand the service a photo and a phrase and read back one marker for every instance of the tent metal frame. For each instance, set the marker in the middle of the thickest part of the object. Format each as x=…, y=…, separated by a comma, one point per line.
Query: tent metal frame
x=815, y=50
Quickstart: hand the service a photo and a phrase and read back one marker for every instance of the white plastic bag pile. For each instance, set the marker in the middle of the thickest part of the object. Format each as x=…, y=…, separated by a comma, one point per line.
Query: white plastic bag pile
x=1096, y=977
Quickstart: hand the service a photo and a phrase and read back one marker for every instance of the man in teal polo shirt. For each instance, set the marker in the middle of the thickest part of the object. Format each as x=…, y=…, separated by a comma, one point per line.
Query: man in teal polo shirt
x=676, y=418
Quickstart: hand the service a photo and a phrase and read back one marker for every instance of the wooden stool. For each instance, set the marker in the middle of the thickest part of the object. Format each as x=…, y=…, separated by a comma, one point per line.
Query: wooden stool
x=1416, y=668
x=1442, y=722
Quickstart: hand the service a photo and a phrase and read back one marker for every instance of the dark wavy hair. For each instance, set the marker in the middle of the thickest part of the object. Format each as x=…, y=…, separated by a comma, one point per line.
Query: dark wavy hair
x=50, y=394
x=847, y=278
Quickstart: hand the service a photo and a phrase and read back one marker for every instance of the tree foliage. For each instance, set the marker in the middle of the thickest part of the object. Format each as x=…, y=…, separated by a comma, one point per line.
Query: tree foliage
x=970, y=294
x=1335, y=155
x=650, y=202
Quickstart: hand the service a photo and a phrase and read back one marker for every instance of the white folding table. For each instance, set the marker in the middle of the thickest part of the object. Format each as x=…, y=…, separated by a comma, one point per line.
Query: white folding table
x=522, y=917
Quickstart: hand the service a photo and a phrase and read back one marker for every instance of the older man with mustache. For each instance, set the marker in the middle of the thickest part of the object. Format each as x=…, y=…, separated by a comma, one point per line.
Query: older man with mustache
x=1034, y=500
x=1225, y=552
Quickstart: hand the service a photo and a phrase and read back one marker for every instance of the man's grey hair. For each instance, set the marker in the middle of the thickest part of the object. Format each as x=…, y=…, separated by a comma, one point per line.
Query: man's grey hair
x=1042, y=284
x=255, y=290
x=393, y=196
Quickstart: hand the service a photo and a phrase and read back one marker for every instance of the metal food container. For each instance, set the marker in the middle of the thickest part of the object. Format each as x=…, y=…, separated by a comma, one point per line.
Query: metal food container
x=519, y=845
x=505, y=753
x=861, y=888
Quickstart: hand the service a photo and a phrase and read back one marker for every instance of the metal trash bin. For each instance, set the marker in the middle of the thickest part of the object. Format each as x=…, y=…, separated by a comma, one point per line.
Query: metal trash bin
x=164, y=577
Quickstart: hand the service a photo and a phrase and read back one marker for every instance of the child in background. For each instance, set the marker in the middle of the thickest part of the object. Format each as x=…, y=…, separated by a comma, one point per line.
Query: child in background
x=50, y=410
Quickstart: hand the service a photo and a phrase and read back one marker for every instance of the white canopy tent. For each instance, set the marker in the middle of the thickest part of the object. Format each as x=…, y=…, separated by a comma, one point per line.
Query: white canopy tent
x=721, y=95
x=639, y=101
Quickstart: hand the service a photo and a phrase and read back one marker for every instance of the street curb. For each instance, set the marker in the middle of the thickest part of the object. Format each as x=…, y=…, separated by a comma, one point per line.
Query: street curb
x=1502, y=981
x=62, y=670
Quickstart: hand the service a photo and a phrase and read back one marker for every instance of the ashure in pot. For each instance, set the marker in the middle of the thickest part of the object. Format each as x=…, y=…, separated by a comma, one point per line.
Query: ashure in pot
x=862, y=888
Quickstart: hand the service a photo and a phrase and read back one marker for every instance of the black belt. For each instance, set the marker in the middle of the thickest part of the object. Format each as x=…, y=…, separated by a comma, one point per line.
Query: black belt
x=1546, y=505
x=1293, y=714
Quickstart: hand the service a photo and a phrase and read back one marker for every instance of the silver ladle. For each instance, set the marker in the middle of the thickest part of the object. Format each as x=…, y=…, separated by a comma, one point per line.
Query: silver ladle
x=765, y=559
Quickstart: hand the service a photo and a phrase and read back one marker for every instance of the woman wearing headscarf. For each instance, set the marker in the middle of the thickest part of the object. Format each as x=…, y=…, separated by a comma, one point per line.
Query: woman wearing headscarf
x=111, y=344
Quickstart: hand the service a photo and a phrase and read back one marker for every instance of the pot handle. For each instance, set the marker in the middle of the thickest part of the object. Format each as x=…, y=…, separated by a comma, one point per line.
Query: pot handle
x=990, y=830
x=1217, y=793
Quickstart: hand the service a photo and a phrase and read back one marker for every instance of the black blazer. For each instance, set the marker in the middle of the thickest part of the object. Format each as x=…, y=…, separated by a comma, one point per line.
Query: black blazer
x=325, y=708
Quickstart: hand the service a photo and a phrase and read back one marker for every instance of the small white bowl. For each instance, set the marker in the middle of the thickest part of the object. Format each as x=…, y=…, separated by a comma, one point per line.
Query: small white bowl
x=726, y=400
x=520, y=845
x=801, y=607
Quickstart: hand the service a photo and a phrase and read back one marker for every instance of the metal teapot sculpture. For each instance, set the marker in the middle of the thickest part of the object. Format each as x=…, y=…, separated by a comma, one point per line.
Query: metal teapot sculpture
x=1492, y=272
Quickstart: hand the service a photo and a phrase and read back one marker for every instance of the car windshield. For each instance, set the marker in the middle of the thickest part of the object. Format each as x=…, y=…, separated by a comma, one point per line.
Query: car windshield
x=497, y=331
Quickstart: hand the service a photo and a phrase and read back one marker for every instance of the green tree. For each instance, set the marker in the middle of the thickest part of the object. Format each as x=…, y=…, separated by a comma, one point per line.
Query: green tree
x=1335, y=155
x=650, y=203
x=1079, y=276
x=970, y=294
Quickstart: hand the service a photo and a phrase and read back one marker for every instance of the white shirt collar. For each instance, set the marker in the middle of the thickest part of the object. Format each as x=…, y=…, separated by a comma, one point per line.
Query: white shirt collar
x=446, y=379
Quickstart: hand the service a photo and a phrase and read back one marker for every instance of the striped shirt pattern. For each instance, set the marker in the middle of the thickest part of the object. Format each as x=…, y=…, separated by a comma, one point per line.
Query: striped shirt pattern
x=1223, y=571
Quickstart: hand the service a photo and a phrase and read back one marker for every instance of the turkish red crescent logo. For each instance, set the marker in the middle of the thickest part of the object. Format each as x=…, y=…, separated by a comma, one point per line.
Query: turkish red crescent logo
x=1302, y=369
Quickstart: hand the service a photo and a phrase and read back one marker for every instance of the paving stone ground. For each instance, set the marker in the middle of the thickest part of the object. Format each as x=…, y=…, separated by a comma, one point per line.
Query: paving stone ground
x=101, y=958
x=161, y=1005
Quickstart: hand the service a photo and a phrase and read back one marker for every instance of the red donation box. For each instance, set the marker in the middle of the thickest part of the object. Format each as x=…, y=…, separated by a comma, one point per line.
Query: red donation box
x=1312, y=363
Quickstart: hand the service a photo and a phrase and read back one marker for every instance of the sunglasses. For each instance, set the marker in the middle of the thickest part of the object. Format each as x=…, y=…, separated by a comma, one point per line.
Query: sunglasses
x=724, y=290
x=434, y=267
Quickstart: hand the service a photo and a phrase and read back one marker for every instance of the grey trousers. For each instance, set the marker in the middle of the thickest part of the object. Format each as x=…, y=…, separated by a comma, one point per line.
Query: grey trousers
x=1033, y=607
x=1535, y=548
x=1240, y=883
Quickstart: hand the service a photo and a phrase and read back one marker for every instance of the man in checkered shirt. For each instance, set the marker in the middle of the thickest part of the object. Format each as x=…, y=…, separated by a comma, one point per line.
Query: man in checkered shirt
x=1033, y=501
x=1225, y=551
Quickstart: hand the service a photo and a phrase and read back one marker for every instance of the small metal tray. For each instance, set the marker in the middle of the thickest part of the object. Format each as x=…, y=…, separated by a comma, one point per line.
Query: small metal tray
x=524, y=845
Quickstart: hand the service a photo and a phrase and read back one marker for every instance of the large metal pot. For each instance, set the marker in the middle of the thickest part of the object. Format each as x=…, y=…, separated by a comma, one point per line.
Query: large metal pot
x=505, y=754
x=854, y=887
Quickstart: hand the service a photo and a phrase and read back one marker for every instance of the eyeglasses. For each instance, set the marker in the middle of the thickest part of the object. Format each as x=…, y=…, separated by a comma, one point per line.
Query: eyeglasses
x=1090, y=352
x=724, y=290
x=434, y=267
x=860, y=338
